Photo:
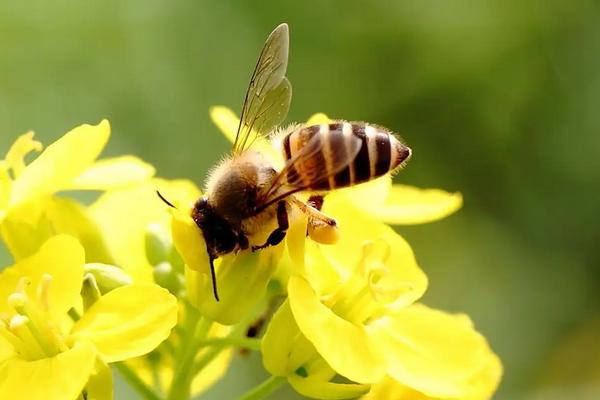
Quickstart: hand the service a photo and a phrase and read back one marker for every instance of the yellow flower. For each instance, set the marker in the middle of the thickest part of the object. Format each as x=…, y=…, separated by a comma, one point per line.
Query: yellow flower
x=483, y=385
x=353, y=314
x=241, y=278
x=136, y=225
x=29, y=210
x=351, y=306
x=43, y=355
x=350, y=309
x=124, y=216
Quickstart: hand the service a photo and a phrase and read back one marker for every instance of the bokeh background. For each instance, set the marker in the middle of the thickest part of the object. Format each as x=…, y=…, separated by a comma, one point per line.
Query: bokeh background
x=499, y=99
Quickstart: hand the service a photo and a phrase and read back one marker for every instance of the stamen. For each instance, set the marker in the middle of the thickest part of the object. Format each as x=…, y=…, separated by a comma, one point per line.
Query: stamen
x=28, y=346
x=9, y=336
x=89, y=291
x=31, y=333
x=43, y=290
x=22, y=284
x=18, y=300
x=39, y=338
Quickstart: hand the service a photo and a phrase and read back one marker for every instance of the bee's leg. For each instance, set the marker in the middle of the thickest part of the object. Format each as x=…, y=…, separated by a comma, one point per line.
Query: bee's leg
x=279, y=233
x=316, y=201
x=320, y=228
x=243, y=241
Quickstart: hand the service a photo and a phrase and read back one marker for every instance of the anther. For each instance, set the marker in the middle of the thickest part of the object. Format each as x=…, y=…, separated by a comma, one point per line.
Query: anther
x=43, y=291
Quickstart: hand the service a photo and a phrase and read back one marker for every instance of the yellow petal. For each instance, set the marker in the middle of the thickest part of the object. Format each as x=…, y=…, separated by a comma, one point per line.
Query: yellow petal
x=58, y=378
x=25, y=228
x=482, y=386
x=366, y=196
x=318, y=389
x=62, y=257
x=5, y=185
x=112, y=173
x=15, y=158
x=431, y=351
x=318, y=118
x=6, y=349
x=60, y=163
x=124, y=215
x=407, y=205
x=227, y=122
x=345, y=346
x=100, y=384
x=400, y=280
x=239, y=276
x=284, y=349
x=70, y=217
x=389, y=389
x=189, y=242
x=128, y=321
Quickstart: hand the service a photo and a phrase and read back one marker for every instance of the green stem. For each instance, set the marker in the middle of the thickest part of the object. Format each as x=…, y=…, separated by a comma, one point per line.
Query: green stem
x=248, y=343
x=218, y=345
x=134, y=380
x=196, y=330
x=264, y=389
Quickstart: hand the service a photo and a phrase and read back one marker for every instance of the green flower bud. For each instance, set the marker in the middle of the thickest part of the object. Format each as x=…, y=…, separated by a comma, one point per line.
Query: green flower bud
x=158, y=244
x=107, y=277
x=166, y=276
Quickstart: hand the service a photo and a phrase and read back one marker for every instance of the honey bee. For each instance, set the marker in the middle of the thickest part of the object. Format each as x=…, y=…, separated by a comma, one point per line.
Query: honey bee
x=245, y=192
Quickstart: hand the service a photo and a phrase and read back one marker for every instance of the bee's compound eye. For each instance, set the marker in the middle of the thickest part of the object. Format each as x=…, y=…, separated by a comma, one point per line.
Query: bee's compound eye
x=322, y=232
x=202, y=203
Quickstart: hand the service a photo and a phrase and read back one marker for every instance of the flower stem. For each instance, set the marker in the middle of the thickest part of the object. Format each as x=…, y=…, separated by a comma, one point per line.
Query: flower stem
x=264, y=389
x=196, y=330
x=249, y=343
x=134, y=380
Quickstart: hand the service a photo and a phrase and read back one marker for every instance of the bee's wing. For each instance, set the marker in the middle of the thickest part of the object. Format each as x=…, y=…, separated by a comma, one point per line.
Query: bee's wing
x=269, y=93
x=339, y=152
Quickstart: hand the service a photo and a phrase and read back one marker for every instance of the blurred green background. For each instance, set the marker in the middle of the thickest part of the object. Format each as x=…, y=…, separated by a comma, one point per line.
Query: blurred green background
x=498, y=99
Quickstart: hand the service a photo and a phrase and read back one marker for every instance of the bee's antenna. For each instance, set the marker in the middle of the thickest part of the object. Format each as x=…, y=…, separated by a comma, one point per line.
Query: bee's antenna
x=214, y=278
x=167, y=202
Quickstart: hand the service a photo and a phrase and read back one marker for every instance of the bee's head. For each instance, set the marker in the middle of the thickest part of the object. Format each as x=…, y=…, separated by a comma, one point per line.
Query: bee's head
x=219, y=235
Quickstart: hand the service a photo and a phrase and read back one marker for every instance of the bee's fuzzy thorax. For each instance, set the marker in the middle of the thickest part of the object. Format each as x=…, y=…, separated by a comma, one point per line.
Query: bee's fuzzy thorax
x=234, y=185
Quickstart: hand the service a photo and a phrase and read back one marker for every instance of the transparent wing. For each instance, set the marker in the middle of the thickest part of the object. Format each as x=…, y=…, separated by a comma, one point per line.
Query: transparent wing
x=269, y=93
x=339, y=152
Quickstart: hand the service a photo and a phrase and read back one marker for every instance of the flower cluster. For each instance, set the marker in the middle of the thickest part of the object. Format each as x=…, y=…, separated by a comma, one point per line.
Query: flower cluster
x=125, y=281
x=64, y=313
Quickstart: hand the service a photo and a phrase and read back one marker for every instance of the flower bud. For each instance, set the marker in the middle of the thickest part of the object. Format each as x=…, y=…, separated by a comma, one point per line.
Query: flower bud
x=107, y=277
x=158, y=244
x=166, y=276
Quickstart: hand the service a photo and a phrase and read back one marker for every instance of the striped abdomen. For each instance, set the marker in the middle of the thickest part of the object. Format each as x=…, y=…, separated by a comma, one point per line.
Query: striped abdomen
x=342, y=154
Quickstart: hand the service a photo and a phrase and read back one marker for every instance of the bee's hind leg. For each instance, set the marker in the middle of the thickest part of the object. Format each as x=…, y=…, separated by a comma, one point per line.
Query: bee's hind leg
x=320, y=227
x=282, y=226
x=243, y=241
x=316, y=201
